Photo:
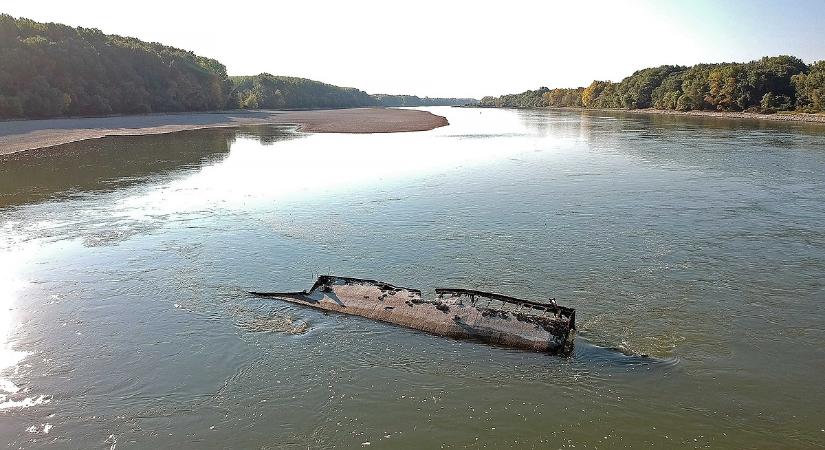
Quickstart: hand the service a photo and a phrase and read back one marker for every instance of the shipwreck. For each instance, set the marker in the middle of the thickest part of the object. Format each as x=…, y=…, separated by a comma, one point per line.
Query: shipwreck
x=457, y=313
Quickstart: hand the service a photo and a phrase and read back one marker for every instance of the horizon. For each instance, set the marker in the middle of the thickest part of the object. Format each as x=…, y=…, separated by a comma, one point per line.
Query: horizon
x=341, y=50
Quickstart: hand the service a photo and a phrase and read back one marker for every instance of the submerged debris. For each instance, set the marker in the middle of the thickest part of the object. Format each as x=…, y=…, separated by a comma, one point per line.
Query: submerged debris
x=275, y=324
x=456, y=313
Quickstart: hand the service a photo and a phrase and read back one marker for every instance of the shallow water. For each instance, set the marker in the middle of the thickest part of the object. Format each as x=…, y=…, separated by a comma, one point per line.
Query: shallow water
x=124, y=264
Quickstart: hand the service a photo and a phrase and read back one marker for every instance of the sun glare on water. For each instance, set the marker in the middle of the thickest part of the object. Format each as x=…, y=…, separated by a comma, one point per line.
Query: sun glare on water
x=312, y=166
x=11, y=396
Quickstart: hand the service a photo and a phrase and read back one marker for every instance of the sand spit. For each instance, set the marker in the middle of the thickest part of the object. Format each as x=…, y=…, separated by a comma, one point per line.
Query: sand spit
x=24, y=135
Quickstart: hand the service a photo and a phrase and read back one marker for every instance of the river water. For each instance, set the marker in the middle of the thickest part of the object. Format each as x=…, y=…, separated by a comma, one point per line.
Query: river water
x=693, y=250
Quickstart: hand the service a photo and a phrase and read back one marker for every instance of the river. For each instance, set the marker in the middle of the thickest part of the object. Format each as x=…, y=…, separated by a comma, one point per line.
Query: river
x=693, y=250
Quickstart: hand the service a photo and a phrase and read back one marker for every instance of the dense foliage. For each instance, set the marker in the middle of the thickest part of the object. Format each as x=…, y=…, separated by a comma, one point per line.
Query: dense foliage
x=414, y=100
x=527, y=99
x=563, y=97
x=52, y=70
x=277, y=92
x=810, y=88
x=49, y=70
x=770, y=84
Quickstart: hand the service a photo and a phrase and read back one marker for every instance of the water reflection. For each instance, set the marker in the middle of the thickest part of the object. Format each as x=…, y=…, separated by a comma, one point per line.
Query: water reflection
x=725, y=145
x=77, y=170
x=321, y=164
x=700, y=247
x=114, y=162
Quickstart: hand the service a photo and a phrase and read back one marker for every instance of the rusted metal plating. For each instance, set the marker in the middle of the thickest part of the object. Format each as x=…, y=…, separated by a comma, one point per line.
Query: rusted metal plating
x=457, y=313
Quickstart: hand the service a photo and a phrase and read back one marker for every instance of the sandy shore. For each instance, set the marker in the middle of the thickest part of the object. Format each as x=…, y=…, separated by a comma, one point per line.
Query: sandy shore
x=23, y=135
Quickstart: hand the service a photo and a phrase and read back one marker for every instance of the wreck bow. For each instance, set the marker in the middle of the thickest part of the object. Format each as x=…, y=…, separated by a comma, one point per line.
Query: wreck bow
x=456, y=313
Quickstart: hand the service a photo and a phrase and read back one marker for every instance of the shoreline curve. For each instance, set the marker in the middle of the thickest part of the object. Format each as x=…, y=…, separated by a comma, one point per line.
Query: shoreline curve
x=784, y=116
x=29, y=135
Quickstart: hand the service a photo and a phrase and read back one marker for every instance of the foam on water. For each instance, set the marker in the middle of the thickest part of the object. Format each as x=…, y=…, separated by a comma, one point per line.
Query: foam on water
x=26, y=402
x=11, y=395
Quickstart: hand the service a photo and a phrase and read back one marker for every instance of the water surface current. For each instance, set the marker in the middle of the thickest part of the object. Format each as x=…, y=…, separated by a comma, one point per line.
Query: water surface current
x=692, y=249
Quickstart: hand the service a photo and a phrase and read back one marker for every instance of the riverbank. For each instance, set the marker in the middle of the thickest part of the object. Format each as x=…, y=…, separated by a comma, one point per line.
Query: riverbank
x=25, y=135
x=777, y=117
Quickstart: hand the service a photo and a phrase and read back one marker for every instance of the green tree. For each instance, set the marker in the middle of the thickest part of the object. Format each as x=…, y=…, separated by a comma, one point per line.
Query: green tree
x=51, y=70
x=810, y=88
x=769, y=84
x=277, y=92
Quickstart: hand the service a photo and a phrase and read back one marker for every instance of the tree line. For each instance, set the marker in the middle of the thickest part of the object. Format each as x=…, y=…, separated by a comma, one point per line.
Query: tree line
x=281, y=92
x=54, y=70
x=278, y=92
x=767, y=85
x=50, y=70
x=414, y=100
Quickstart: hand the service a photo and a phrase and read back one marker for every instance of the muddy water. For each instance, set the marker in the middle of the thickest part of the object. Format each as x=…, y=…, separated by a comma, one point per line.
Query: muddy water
x=124, y=263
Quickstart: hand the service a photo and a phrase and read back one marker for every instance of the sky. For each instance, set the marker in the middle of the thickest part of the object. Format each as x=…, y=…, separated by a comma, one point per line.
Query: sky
x=450, y=48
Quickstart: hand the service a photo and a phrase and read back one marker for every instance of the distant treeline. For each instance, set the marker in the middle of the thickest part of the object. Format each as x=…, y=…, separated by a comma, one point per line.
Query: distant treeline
x=53, y=70
x=414, y=100
x=270, y=91
x=276, y=92
x=770, y=84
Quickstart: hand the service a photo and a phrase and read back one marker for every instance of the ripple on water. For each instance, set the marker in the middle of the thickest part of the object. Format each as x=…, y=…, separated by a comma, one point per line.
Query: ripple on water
x=274, y=324
x=44, y=428
x=619, y=357
x=12, y=396
x=667, y=239
x=13, y=401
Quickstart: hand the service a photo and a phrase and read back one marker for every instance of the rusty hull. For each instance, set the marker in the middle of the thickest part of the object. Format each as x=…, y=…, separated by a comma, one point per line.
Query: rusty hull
x=456, y=313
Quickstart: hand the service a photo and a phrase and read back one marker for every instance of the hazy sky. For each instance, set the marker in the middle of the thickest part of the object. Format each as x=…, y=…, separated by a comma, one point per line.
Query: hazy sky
x=452, y=48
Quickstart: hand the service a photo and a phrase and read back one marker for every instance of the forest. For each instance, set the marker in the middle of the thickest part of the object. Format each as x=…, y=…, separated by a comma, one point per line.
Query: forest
x=767, y=85
x=53, y=70
x=277, y=92
x=49, y=70
x=414, y=100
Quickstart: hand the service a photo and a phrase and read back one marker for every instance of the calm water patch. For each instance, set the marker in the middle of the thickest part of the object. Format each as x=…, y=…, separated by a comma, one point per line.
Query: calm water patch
x=124, y=264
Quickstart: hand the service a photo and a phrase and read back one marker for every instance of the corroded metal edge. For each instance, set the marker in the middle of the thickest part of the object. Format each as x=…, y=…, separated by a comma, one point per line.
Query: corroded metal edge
x=524, y=324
